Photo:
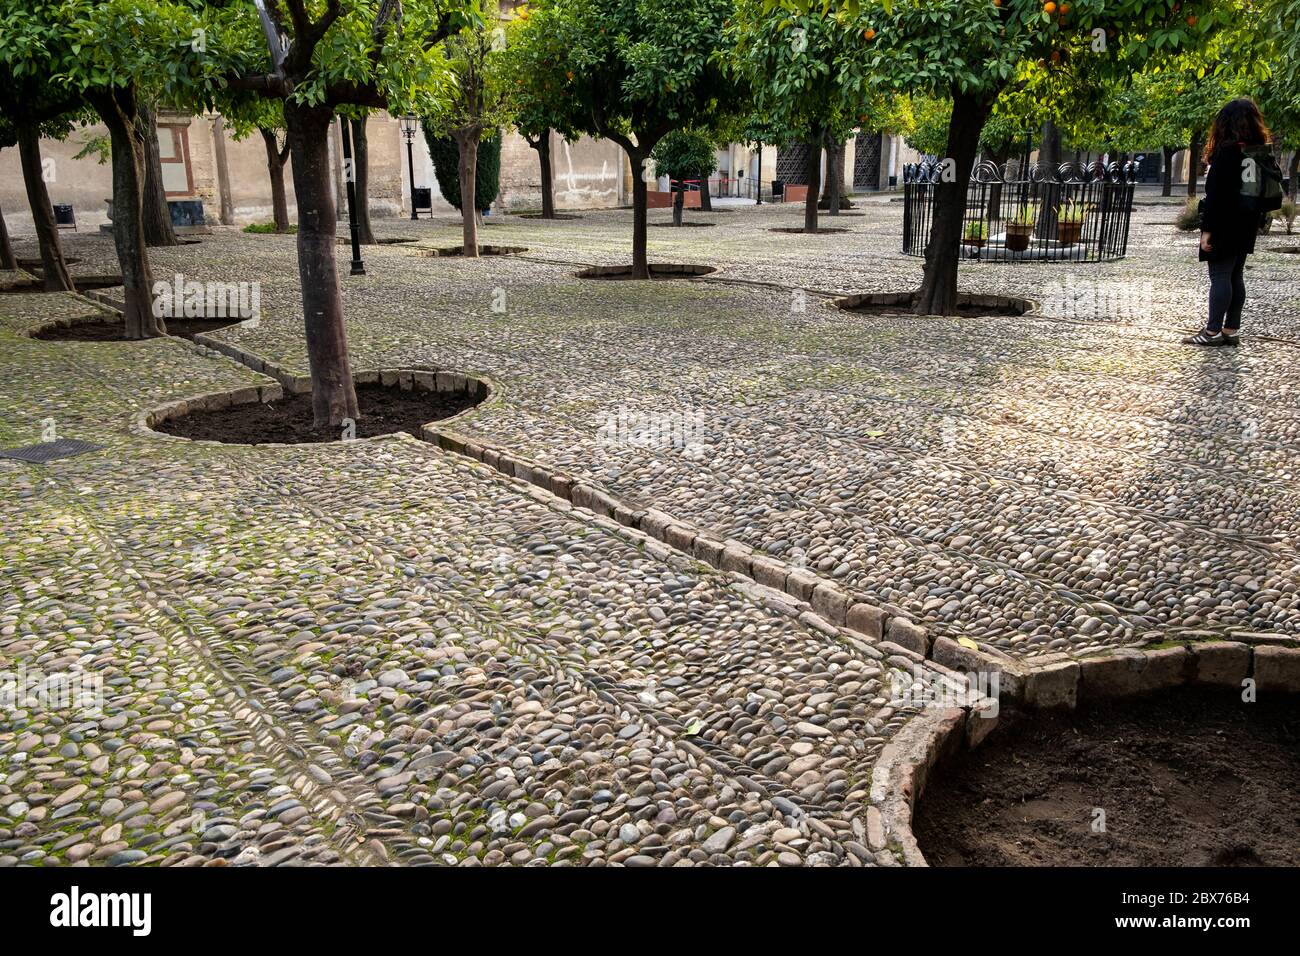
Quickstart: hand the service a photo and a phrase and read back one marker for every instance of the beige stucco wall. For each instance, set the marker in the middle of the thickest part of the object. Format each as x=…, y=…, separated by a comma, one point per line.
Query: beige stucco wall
x=82, y=182
x=588, y=174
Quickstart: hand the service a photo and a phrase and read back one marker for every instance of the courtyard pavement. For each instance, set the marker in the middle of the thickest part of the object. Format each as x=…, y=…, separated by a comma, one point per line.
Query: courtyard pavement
x=378, y=651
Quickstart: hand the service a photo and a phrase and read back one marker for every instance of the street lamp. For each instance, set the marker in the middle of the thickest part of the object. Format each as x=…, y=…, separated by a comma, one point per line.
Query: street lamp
x=409, y=125
x=350, y=177
x=758, y=175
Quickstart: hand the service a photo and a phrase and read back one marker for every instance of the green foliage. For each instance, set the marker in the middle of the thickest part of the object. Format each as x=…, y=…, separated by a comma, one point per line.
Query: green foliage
x=634, y=70
x=1072, y=211
x=794, y=65
x=479, y=100
x=446, y=167
x=684, y=154
x=266, y=227
x=1004, y=132
x=529, y=72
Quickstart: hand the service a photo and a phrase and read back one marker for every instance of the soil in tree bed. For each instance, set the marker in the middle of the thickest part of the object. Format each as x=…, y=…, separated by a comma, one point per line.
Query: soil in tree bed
x=1185, y=778
x=482, y=251
x=116, y=331
x=819, y=231
x=968, y=306
x=687, y=224
x=385, y=409
x=557, y=216
x=665, y=270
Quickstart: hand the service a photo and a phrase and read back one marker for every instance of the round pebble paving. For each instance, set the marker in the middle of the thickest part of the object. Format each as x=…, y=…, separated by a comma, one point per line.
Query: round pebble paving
x=380, y=652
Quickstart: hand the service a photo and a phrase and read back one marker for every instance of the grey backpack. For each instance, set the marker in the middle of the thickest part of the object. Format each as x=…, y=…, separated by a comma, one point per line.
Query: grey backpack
x=1261, y=179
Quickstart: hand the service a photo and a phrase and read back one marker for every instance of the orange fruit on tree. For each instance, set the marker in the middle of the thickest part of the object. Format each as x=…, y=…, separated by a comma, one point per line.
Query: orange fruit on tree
x=1191, y=21
x=868, y=34
x=1049, y=7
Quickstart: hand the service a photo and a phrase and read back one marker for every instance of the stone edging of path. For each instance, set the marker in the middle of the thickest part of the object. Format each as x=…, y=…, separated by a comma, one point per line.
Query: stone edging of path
x=832, y=604
x=406, y=379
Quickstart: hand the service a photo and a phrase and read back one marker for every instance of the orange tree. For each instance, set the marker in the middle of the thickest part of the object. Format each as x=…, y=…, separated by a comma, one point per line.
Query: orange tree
x=973, y=50
x=634, y=71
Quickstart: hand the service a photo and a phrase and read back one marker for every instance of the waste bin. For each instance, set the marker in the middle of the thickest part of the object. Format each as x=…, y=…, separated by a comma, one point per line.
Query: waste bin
x=64, y=217
x=778, y=189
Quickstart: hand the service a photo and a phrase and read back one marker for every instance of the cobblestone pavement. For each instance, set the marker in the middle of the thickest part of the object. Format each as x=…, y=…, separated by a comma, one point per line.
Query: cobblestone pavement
x=379, y=651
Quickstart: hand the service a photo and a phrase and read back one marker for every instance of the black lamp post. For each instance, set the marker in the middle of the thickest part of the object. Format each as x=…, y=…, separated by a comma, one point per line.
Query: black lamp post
x=409, y=126
x=758, y=175
x=350, y=175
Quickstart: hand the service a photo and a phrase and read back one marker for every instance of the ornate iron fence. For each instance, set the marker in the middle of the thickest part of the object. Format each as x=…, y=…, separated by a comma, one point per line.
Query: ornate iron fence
x=1074, y=213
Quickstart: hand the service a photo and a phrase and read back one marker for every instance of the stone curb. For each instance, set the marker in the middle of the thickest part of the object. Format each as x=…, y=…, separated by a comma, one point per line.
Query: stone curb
x=829, y=603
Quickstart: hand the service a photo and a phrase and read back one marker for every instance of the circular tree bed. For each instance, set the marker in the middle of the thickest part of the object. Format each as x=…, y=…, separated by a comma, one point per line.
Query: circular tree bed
x=660, y=270
x=116, y=331
x=384, y=410
x=482, y=251
x=1183, y=778
x=1286, y=250
x=819, y=231
x=84, y=283
x=969, y=305
x=688, y=223
x=558, y=216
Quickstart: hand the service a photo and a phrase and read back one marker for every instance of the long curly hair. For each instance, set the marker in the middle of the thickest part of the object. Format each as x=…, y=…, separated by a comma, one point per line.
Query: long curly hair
x=1240, y=121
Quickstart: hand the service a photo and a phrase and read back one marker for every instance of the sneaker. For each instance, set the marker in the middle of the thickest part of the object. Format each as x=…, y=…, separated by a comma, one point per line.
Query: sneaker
x=1231, y=338
x=1206, y=337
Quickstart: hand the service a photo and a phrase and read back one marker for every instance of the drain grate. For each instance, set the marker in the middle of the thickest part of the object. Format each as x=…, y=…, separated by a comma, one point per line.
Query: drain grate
x=49, y=450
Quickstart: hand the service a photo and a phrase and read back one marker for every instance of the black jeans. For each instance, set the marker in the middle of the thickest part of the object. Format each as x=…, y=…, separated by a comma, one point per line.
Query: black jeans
x=1227, y=292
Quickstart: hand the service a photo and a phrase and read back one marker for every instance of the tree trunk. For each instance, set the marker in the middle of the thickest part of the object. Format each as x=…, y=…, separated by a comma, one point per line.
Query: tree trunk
x=640, y=267
x=1167, y=171
x=706, y=199
x=1293, y=172
x=119, y=111
x=814, y=181
x=1049, y=150
x=7, y=260
x=679, y=201
x=53, y=264
x=467, y=148
x=334, y=396
x=361, y=181
x=833, y=193
x=275, y=160
x=1193, y=164
x=938, y=292
x=543, y=148
x=158, y=230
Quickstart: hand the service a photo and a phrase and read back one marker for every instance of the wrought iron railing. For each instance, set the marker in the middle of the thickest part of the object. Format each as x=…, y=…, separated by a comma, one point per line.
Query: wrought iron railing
x=1074, y=213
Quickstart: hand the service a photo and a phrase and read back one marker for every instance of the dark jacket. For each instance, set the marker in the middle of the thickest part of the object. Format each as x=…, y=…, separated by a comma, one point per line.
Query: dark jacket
x=1231, y=226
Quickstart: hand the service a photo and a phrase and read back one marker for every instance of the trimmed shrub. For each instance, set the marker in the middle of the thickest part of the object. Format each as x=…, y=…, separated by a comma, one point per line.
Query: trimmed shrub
x=446, y=167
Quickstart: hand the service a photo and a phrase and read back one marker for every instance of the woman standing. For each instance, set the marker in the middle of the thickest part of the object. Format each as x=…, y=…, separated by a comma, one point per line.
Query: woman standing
x=1228, y=226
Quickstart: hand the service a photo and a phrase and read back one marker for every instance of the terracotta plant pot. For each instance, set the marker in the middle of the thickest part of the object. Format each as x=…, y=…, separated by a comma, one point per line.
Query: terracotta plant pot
x=1018, y=236
x=974, y=243
x=1067, y=233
